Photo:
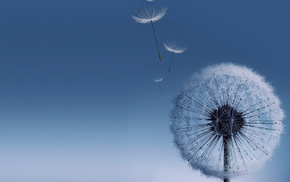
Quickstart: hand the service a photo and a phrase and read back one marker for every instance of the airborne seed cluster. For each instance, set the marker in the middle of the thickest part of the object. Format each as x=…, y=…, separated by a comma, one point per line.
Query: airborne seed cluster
x=150, y=15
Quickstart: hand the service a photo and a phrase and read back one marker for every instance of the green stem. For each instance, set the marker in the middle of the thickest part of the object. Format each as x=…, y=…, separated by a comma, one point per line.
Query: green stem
x=226, y=141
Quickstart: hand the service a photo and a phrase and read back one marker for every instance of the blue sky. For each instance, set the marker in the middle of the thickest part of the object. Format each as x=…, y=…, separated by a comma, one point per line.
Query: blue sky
x=78, y=101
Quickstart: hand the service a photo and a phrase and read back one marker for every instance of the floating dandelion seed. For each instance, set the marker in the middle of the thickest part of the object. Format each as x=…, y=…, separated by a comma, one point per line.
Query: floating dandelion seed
x=159, y=80
x=151, y=15
x=142, y=5
x=227, y=121
x=174, y=48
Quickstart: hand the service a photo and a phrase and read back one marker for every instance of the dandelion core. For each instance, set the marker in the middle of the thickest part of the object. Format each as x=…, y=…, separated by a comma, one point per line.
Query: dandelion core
x=226, y=121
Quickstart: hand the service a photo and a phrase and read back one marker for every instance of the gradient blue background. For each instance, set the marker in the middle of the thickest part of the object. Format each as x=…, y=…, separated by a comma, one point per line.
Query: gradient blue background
x=77, y=97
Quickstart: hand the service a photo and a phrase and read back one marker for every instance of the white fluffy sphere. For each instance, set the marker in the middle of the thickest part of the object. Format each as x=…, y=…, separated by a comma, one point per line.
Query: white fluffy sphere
x=226, y=121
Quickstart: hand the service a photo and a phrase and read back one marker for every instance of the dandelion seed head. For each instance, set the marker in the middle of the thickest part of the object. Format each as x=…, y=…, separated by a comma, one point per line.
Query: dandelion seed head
x=150, y=14
x=174, y=47
x=230, y=102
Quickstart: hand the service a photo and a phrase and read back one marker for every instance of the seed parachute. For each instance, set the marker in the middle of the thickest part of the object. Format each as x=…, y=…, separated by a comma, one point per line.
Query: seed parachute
x=151, y=15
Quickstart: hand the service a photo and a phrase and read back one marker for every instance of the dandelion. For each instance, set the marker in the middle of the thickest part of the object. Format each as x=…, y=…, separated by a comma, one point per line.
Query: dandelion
x=227, y=121
x=159, y=80
x=151, y=15
x=174, y=48
x=142, y=5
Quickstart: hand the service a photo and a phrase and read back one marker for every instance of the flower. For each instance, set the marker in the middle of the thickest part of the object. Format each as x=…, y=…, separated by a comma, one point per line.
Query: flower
x=226, y=121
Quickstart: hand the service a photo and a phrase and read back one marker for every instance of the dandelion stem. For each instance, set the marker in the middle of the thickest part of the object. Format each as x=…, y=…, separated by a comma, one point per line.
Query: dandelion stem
x=160, y=86
x=140, y=7
x=171, y=62
x=226, y=141
x=156, y=40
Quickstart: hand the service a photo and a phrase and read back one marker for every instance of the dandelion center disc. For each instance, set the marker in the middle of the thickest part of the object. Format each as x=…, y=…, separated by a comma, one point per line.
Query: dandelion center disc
x=226, y=121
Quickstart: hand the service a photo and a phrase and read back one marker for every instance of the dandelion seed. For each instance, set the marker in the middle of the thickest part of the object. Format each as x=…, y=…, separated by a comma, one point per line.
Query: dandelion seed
x=142, y=5
x=227, y=121
x=174, y=48
x=151, y=15
x=159, y=80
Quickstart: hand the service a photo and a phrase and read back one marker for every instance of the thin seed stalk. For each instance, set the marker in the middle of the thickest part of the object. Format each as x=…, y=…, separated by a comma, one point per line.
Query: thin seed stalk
x=226, y=141
x=140, y=7
x=155, y=40
x=160, y=86
x=171, y=62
